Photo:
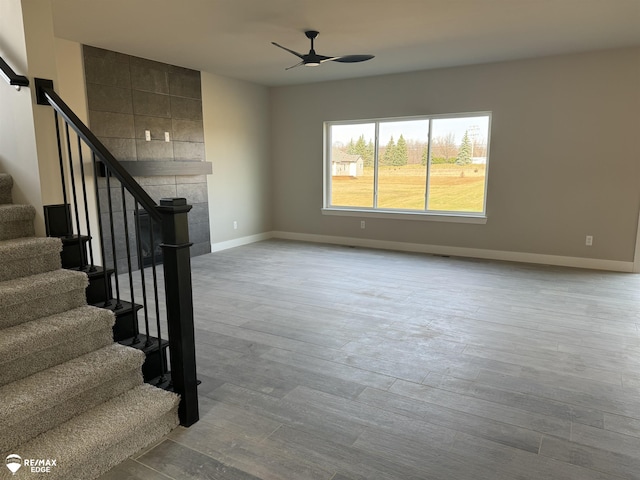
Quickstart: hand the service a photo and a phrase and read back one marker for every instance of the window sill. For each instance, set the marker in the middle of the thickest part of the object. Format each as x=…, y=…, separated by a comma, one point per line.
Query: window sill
x=400, y=215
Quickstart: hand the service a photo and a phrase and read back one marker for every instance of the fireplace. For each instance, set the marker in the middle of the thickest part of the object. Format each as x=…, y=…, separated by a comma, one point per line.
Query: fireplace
x=143, y=225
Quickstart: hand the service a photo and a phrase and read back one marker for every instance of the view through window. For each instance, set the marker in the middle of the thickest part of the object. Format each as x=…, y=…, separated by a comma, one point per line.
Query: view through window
x=430, y=164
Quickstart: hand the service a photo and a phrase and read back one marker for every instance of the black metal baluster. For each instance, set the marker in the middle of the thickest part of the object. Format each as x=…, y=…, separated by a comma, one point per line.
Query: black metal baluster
x=142, y=280
x=136, y=339
x=92, y=267
x=107, y=301
x=81, y=250
x=163, y=367
x=113, y=243
x=60, y=156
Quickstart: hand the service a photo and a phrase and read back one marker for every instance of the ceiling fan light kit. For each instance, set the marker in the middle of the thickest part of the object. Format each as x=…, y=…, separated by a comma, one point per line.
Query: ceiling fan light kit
x=312, y=59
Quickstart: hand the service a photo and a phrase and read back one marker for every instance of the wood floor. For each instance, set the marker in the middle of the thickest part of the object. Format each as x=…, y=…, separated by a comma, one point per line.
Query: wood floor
x=333, y=363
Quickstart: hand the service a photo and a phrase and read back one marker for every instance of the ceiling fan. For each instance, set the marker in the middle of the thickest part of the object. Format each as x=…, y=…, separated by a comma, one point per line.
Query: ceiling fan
x=312, y=59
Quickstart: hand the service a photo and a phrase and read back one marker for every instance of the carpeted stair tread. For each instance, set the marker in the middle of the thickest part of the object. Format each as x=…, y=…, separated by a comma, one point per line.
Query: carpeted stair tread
x=20, y=257
x=34, y=346
x=16, y=221
x=44, y=400
x=27, y=298
x=97, y=440
x=6, y=183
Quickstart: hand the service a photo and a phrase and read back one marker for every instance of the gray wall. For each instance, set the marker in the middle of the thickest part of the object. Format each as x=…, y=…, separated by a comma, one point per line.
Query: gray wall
x=127, y=95
x=237, y=133
x=563, y=161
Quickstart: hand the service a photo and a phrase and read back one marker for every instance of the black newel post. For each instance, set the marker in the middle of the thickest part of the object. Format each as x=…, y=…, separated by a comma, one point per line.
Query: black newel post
x=177, y=280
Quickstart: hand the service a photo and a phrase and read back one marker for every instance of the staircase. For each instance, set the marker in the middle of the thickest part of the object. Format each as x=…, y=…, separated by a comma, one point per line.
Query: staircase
x=70, y=398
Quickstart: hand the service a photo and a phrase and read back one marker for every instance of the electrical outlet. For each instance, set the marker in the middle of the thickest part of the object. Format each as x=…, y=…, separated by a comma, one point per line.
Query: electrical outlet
x=589, y=241
x=166, y=137
x=361, y=223
x=235, y=225
x=147, y=135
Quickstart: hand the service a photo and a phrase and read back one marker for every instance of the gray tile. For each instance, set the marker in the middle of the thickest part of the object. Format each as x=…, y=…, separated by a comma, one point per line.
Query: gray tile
x=191, y=179
x=161, y=191
x=193, y=192
x=149, y=79
x=146, y=63
x=199, y=232
x=151, y=104
x=270, y=317
x=132, y=470
x=307, y=418
x=156, y=126
x=199, y=213
x=186, y=108
x=124, y=149
x=624, y=425
x=619, y=464
x=156, y=180
x=185, y=84
x=154, y=150
x=108, y=124
x=107, y=70
x=509, y=463
x=90, y=51
x=187, y=130
x=177, y=461
x=354, y=463
x=605, y=439
x=488, y=410
x=107, y=98
x=200, y=249
x=188, y=151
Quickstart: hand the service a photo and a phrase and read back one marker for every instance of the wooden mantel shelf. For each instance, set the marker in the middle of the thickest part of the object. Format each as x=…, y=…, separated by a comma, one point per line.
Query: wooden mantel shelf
x=157, y=168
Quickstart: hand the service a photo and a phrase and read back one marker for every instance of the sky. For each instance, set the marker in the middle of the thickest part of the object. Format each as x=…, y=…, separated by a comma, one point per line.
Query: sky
x=417, y=130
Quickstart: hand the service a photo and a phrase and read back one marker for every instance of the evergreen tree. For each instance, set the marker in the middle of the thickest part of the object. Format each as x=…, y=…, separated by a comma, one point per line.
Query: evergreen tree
x=389, y=153
x=370, y=153
x=402, y=154
x=423, y=159
x=360, y=147
x=464, y=153
x=351, y=147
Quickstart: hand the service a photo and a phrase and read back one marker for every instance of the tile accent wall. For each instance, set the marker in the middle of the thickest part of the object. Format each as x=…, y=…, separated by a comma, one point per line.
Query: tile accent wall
x=127, y=95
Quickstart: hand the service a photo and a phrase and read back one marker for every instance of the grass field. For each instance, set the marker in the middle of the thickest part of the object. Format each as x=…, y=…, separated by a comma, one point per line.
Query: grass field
x=452, y=187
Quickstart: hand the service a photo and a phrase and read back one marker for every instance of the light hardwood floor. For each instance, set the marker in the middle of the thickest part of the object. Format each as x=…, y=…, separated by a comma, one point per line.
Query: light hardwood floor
x=334, y=363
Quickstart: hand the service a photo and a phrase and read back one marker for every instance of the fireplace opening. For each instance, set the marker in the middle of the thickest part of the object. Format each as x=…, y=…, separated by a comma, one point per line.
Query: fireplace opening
x=144, y=224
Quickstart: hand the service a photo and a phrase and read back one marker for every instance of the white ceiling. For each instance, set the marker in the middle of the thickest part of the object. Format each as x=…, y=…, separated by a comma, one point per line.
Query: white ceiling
x=233, y=37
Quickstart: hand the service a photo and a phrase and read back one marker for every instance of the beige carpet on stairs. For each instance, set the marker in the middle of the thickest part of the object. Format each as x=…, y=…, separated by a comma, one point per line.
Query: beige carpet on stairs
x=72, y=402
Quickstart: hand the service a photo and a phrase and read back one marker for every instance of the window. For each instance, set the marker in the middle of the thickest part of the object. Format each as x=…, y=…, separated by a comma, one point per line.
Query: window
x=429, y=165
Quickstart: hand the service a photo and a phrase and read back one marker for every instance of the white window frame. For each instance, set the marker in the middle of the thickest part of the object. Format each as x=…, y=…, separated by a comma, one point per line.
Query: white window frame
x=375, y=212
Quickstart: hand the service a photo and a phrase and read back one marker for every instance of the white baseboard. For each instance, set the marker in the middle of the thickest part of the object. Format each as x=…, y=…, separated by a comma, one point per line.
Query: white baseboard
x=238, y=242
x=578, y=262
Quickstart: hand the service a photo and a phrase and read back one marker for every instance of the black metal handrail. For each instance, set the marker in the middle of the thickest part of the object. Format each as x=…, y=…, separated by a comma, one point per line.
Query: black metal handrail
x=170, y=216
x=11, y=77
x=96, y=146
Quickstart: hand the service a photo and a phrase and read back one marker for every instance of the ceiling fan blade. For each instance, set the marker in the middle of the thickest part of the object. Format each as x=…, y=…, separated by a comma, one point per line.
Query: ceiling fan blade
x=294, y=66
x=299, y=55
x=324, y=58
x=353, y=58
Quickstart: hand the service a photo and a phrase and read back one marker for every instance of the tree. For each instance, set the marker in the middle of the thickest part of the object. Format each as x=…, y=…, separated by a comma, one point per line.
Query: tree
x=423, y=158
x=464, y=153
x=401, y=156
x=444, y=147
x=351, y=147
x=371, y=150
x=360, y=146
x=389, y=153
